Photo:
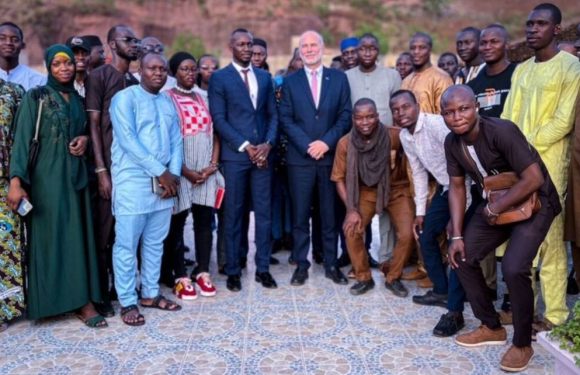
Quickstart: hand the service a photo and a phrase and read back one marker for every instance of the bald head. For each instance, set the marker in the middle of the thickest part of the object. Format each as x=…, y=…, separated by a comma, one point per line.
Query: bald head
x=364, y=102
x=152, y=56
x=496, y=29
x=153, y=72
x=454, y=92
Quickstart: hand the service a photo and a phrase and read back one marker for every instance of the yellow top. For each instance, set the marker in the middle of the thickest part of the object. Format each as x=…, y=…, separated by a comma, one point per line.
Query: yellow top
x=542, y=102
x=428, y=86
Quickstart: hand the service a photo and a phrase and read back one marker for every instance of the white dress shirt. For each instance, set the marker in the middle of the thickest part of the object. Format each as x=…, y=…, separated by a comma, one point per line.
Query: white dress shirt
x=318, y=72
x=252, y=81
x=425, y=149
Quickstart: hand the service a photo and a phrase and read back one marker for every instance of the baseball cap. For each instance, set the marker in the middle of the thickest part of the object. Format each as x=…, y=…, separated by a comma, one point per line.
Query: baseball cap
x=78, y=42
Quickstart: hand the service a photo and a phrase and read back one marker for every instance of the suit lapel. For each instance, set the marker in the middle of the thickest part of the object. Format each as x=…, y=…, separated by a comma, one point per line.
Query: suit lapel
x=238, y=81
x=304, y=80
x=325, y=86
x=261, y=87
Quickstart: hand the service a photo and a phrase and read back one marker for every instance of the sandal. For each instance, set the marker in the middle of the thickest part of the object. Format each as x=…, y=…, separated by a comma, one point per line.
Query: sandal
x=97, y=321
x=130, y=316
x=162, y=303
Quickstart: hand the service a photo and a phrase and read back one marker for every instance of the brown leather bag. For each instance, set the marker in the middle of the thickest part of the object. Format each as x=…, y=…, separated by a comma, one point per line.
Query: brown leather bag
x=495, y=186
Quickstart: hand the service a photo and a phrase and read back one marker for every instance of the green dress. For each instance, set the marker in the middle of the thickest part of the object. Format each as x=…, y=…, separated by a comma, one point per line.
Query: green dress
x=11, y=280
x=62, y=260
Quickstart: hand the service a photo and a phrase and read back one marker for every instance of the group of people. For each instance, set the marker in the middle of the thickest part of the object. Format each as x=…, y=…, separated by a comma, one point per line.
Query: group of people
x=113, y=163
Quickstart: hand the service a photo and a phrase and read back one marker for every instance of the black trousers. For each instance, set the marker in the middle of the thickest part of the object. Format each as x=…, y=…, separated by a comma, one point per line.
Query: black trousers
x=525, y=238
x=173, y=265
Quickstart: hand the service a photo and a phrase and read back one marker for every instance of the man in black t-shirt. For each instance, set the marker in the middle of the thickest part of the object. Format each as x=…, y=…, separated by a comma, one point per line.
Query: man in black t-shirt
x=493, y=83
x=495, y=146
x=101, y=85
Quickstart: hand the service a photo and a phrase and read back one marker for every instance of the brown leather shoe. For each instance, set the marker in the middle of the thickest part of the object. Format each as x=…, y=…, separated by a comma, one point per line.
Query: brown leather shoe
x=425, y=283
x=414, y=275
x=516, y=359
x=482, y=336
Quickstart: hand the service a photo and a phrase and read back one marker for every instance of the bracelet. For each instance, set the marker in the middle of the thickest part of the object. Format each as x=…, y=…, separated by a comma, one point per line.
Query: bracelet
x=491, y=213
x=214, y=164
x=456, y=238
x=99, y=170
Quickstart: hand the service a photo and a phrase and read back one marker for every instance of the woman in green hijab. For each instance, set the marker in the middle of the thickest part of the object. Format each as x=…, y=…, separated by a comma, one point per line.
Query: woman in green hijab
x=62, y=263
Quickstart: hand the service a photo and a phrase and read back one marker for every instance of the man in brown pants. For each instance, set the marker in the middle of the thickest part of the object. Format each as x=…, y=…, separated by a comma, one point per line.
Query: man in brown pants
x=362, y=168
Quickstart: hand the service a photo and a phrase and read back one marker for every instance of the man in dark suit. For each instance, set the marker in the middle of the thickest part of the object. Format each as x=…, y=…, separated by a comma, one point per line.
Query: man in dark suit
x=244, y=114
x=314, y=113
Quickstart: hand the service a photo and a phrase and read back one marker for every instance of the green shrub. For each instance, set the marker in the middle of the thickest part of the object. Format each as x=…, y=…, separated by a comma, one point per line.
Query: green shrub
x=568, y=334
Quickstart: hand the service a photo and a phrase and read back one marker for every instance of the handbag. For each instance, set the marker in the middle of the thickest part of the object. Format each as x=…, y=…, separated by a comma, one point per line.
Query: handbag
x=495, y=186
x=34, y=143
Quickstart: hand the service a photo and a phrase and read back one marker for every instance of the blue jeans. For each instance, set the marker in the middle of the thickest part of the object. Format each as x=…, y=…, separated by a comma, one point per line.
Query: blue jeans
x=435, y=223
x=151, y=228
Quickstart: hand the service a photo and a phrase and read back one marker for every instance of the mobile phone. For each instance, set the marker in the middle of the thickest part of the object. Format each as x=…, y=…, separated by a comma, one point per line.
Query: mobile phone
x=156, y=187
x=24, y=207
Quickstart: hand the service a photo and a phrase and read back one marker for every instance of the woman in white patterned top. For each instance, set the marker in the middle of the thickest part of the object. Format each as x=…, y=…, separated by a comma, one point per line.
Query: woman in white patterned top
x=201, y=183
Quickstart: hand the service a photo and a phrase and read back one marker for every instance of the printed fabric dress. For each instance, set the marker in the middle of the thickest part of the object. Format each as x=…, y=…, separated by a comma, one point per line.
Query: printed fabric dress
x=12, y=303
x=62, y=261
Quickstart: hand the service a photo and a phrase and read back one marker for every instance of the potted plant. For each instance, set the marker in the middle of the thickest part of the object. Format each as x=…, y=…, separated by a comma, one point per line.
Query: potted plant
x=563, y=342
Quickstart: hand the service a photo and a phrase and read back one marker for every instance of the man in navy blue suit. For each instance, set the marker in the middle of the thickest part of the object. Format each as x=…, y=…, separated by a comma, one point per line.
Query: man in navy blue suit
x=244, y=114
x=315, y=113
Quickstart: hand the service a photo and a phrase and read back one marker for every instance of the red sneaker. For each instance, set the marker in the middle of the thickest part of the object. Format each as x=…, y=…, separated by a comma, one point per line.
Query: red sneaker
x=206, y=288
x=184, y=290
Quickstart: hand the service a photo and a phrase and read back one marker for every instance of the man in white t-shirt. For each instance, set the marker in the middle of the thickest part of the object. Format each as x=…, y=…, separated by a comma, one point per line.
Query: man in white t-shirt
x=11, y=43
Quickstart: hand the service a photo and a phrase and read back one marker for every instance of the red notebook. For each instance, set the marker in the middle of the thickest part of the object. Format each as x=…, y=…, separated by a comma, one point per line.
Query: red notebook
x=219, y=196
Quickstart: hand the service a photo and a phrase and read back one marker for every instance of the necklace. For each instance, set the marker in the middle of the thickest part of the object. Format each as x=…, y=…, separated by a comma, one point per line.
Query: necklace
x=185, y=91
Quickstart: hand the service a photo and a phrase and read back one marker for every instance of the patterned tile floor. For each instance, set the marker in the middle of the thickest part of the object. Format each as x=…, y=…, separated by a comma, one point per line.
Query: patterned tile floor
x=318, y=328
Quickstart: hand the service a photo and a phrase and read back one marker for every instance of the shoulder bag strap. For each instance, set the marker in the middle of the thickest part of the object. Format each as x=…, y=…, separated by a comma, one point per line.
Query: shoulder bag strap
x=471, y=162
x=36, y=131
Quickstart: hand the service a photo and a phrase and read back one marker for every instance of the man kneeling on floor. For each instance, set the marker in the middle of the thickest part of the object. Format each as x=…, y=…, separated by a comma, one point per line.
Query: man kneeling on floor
x=361, y=172
x=480, y=146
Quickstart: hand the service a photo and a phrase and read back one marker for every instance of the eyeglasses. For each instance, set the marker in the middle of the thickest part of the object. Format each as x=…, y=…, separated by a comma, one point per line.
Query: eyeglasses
x=129, y=40
x=186, y=69
x=155, y=49
x=206, y=67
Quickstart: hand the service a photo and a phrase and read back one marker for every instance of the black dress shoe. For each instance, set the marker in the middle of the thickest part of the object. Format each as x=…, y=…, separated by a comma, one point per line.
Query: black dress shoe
x=449, y=324
x=299, y=277
x=336, y=275
x=274, y=261
x=431, y=299
x=234, y=284
x=397, y=288
x=361, y=287
x=372, y=262
x=266, y=279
